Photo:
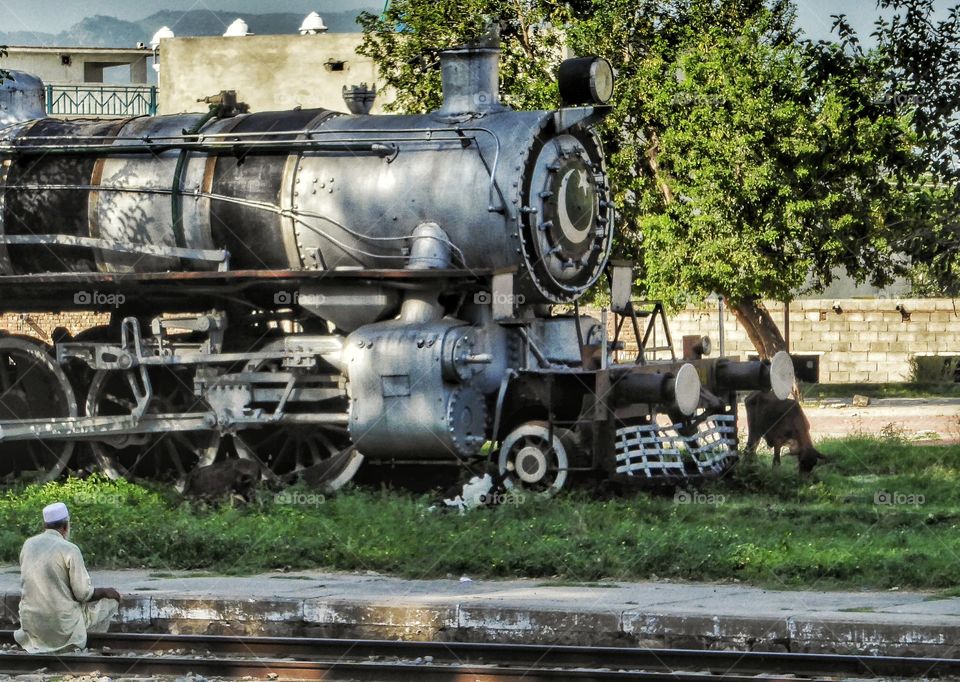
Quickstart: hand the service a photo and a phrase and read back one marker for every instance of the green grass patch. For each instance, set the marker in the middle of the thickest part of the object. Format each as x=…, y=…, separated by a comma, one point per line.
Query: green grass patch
x=880, y=514
x=930, y=389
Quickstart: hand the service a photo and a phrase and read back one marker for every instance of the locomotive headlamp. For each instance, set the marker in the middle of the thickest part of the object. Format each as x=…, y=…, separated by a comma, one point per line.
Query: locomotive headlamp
x=585, y=80
x=782, y=375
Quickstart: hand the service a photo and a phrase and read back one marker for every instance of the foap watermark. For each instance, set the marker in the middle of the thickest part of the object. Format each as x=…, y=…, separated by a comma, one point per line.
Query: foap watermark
x=695, y=99
x=99, y=299
x=299, y=499
x=488, y=298
x=106, y=499
x=900, y=99
x=286, y=298
x=505, y=498
x=882, y=497
x=697, y=497
x=483, y=99
x=292, y=298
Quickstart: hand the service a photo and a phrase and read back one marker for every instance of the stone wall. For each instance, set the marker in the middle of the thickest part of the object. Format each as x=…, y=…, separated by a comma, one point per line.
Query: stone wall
x=270, y=72
x=868, y=341
x=41, y=325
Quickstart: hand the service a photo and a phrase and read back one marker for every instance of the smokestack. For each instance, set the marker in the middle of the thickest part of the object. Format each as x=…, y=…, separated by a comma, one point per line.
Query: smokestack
x=471, y=77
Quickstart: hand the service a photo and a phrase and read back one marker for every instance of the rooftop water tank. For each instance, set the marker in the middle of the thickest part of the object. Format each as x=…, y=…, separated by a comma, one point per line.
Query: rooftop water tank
x=162, y=34
x=312, y=25
x=237, y=29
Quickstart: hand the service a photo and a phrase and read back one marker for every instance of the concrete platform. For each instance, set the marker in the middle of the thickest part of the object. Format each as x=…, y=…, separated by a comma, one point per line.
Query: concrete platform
x=655, y=614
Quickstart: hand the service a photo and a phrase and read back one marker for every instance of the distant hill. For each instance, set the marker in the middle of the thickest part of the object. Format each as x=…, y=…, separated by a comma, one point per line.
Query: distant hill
x=103, y=31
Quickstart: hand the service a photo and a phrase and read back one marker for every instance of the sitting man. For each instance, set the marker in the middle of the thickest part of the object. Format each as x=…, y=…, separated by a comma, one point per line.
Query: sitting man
x=58, y=605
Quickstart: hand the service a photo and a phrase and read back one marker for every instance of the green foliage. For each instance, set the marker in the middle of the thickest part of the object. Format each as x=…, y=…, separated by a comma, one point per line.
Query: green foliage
x=763, y=525
x=934, y=368
x=406, y=40
x=918, y=55
x=745, y=160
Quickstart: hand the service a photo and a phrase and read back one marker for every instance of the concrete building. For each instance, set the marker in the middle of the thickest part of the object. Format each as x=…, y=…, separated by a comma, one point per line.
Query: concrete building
x=99, y=82
x=79, y=64
x=269, y=72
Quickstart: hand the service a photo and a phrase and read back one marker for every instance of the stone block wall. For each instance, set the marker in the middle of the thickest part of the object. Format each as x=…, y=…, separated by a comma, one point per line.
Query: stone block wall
x=869, y=341
x=40, y=325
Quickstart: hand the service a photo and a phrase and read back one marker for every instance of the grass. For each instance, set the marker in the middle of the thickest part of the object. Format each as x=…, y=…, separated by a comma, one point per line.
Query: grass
x=764, y=526
x=813, y=392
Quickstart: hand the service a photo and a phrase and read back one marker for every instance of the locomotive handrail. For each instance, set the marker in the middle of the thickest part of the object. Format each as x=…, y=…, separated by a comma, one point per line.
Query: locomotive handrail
x=220, y=256
x=385, y=134
x=197, y=143
x=148, y=147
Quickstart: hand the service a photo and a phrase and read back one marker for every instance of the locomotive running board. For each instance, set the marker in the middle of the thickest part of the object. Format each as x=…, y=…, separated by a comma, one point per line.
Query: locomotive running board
x=116, y=278
x=98, y=428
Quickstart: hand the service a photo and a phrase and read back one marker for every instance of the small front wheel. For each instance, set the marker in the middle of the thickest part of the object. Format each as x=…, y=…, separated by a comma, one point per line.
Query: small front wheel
x=531, y=460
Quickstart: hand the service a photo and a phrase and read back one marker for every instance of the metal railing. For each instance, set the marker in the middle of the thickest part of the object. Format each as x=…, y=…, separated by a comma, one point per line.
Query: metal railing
x=97, y=99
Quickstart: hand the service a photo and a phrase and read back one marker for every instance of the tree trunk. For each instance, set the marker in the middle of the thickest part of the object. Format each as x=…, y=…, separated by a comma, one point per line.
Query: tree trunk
x=760, y=327
x=653, y=165
x=763, y=333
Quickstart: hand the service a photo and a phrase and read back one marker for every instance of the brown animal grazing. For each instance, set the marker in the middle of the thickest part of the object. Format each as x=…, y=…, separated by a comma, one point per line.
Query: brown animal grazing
x=780, y=423
x=223, y=479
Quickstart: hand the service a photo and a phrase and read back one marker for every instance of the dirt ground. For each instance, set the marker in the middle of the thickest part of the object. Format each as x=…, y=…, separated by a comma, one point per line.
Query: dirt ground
x=934, y=421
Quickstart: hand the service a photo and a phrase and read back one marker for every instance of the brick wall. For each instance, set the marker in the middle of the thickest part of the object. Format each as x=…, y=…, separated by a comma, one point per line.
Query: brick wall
x=868, y=342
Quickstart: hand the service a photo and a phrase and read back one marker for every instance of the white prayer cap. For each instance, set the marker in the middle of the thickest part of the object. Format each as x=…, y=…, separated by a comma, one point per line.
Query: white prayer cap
x=55, y=512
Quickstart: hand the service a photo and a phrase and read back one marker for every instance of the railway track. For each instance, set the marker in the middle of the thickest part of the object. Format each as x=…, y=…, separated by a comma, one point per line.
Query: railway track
x=291, y=658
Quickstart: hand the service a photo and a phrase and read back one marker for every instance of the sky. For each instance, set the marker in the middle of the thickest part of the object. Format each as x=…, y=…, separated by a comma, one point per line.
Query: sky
x=814, y=15
x=53, y=16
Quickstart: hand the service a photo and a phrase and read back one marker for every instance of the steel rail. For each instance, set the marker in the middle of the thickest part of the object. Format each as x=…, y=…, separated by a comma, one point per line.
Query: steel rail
x=534, y=655
x=352, y=671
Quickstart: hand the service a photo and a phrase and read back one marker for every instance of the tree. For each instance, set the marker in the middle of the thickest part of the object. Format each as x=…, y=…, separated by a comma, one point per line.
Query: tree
x=406, y=39
x=748, y=162
x=745, y=161
x=918, y=56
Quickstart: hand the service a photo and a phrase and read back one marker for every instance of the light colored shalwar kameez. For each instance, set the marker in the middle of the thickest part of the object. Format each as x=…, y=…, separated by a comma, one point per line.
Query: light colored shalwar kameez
x=55, y=591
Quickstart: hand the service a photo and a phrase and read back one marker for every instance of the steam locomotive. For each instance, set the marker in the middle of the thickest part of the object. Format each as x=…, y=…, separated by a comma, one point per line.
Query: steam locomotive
x=319, y=291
